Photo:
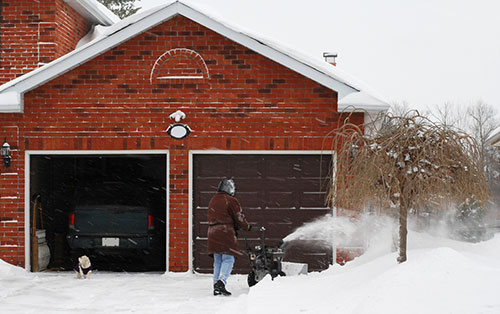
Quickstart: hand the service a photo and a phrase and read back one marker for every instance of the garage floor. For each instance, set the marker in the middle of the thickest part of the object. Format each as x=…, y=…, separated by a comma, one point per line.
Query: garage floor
x=58, y=178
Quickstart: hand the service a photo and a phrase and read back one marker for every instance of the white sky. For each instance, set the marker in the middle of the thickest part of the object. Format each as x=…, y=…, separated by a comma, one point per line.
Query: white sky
x=423, y=52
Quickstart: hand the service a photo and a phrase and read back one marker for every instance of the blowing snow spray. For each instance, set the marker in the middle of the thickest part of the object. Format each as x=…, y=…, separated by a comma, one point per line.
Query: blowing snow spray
x=326, y=231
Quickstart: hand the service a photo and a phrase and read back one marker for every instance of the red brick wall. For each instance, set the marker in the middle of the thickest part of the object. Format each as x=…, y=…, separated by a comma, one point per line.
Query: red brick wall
x=36, y=32
x=11, y=199
x=71, y=27
x=248, y=103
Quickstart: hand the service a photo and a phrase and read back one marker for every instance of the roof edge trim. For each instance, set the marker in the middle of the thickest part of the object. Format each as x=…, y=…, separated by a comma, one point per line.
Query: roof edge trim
x=94, y=11
x=11, y=102
x=494, y=140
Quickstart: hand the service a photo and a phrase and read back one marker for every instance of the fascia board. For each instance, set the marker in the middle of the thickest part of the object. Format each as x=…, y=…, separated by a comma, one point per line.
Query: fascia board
x=11, y=108
x=362, y=108
x=11, y=102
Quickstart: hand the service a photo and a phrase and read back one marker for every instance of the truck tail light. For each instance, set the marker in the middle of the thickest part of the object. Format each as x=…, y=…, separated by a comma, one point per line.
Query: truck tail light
x=151, y=222
x=72, y=220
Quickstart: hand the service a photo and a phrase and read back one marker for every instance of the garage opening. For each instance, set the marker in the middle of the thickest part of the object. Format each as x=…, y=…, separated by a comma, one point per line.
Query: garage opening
x=279, y=192
x=109, y=207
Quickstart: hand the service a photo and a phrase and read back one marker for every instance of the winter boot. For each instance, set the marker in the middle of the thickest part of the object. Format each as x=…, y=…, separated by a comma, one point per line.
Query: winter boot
x=220, y=289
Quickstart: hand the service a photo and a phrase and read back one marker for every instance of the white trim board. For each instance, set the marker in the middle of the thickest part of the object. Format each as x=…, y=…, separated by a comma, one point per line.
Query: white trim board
x=241, y=152
x=27, y=201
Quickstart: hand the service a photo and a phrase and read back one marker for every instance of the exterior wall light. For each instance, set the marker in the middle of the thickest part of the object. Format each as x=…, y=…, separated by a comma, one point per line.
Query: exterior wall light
x=5, y=152
x=178, y=130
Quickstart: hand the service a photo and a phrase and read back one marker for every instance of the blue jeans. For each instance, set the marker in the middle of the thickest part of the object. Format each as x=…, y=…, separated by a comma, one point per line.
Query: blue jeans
x=223, y=265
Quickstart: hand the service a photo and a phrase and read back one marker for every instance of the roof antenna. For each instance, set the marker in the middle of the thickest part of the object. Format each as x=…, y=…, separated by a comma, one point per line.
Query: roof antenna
x=330, y=57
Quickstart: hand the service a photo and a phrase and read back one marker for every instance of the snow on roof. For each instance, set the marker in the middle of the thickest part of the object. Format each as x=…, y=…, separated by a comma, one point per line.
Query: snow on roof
x=362, y=101
x=494, y=139
x=108, y=37
x=93, y=11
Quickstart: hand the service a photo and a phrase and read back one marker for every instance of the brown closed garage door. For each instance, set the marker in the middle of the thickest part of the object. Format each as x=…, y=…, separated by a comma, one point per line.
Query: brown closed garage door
x=280, y=192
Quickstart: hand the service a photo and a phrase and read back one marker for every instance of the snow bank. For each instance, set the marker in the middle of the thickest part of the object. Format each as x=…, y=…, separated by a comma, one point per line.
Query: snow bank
x=7, y=270
x=454, y=278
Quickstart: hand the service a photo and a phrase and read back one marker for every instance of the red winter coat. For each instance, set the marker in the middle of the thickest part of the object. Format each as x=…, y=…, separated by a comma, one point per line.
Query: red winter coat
x=225, y=216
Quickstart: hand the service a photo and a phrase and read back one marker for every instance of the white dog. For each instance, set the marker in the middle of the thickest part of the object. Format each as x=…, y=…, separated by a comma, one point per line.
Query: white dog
x=84, y=267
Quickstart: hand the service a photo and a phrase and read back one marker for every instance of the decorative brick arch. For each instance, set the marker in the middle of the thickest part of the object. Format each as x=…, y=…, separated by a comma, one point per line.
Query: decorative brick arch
x=179, y=63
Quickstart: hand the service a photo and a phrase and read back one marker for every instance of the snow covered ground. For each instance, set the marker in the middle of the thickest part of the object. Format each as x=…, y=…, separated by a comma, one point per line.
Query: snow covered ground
x=441, y=276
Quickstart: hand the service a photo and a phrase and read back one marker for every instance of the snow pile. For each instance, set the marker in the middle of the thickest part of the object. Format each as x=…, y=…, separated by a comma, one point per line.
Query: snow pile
x=454, y=278
x=7, y=270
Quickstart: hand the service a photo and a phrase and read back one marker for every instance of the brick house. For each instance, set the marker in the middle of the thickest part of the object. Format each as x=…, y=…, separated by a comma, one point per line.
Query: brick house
x=256, y=111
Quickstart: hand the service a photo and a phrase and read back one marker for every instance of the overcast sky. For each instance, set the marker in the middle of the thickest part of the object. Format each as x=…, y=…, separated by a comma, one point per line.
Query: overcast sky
x=423, y=52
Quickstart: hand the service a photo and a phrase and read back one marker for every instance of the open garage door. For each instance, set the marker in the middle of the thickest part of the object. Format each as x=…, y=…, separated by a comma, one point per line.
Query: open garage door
x=111, y=207
x=280, y=192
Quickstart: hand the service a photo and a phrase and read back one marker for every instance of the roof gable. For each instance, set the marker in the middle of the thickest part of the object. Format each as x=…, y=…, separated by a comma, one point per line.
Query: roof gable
x=324, y=73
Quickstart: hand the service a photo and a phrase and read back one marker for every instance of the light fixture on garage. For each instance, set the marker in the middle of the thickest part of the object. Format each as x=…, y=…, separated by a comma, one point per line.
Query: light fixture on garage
x=178, y=130
x=5, y=151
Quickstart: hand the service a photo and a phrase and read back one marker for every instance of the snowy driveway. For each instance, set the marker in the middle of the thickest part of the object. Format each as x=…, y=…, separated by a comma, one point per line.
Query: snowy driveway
x=106, y=292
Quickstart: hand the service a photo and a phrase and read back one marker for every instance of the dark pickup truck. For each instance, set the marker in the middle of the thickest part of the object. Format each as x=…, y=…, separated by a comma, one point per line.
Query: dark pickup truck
x=111, y=218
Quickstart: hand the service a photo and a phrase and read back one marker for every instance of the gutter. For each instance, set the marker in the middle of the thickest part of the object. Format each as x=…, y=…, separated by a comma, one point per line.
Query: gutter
x=94, y=11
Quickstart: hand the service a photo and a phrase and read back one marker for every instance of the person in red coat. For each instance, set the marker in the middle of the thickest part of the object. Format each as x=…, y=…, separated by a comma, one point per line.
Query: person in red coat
x=225, y=218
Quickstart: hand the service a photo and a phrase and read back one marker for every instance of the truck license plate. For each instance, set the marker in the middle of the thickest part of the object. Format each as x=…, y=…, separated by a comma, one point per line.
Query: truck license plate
x=110, y=241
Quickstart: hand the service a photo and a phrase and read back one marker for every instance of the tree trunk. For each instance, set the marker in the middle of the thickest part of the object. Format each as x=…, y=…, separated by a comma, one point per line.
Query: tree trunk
x=403, y=229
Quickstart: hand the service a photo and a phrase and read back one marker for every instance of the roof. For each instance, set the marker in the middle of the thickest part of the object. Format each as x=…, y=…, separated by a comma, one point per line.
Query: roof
x=494, y=139
x=361, y=101
x=93, y=11
x=321, y=72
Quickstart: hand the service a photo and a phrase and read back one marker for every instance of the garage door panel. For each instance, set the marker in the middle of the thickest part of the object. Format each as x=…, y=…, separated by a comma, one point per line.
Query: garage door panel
x=250, y=167
x=315, y=167
x=202, y=198
x=207, y=184
x=312, y=200
x=250, y=200
x=279, y=167
x=280, y=184
x=211, y=167
x=203, y=262
x=279, y=192
x=317, y=254
x=313, y=184
x=280, y=200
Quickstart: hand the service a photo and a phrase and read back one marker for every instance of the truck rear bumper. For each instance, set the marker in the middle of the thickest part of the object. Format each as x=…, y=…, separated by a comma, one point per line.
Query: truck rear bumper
x=110, y=242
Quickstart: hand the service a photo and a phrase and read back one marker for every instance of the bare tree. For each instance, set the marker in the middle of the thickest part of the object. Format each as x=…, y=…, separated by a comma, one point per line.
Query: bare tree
x=408, y=163
x=450, y=115
x=399, y=108
x=121, y=8
x=483, y=121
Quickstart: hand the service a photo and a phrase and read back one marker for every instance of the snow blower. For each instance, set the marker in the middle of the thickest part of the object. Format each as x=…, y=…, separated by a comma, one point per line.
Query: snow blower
x=264, y=259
